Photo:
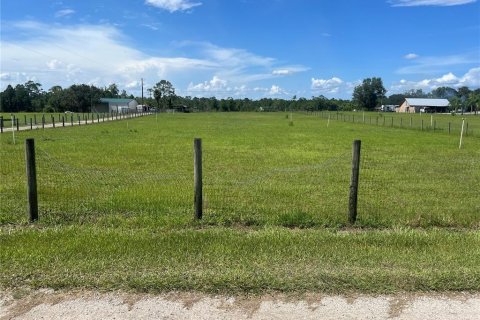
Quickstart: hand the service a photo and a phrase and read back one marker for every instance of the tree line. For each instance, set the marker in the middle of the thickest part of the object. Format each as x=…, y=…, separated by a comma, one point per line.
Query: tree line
x=369, y=95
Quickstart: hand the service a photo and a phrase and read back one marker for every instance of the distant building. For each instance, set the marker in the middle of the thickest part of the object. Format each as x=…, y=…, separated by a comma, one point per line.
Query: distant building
x=388, y=108
x=414, y=105
x=116, y=105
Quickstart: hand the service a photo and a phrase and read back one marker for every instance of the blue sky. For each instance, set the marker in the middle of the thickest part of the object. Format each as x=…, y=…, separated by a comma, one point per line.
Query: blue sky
x=242, y=48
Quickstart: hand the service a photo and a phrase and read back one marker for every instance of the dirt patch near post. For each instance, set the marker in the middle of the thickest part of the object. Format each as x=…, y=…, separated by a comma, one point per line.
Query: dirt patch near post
x=50, y=304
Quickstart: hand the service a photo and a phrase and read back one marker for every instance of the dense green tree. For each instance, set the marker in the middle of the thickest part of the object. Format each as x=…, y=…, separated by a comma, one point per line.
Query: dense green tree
x=7, y=99
x=473, y=101
x=444, y=93
x=396, y=99
x=415, y=93
x=111, y=92
x=163, y=90
x=23, y=100
x=369, y=94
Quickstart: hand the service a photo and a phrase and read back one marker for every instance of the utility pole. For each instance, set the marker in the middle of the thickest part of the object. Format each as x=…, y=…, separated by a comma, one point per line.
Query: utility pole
x=143, y=105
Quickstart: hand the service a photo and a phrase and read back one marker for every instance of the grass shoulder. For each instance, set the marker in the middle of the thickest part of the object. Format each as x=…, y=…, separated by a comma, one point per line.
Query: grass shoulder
x=230, y=260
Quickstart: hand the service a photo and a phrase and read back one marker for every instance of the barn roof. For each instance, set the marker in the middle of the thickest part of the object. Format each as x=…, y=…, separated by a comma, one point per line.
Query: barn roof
x=116, y=100
x=427, y=102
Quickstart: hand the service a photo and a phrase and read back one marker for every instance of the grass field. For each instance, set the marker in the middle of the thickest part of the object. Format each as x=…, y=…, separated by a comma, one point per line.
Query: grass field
x=116, y=204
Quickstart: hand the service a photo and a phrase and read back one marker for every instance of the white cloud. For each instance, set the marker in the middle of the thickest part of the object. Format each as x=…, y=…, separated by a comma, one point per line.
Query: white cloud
x=411, y=56
x=276, y=90
x=439, y=3
x=470, y=79
x=281, y=72
x=332, y=85
x=214, y=85
x=173, y=5
x=287, y=71
x=429, y=65
x=51, y=54
x=64, y=13
x=222, y=88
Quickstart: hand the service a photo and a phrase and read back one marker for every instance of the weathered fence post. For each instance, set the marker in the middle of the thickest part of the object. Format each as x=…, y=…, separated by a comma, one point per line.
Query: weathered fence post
x=197, y=177
x=1, y=124
x=352, y=203
x=31, y=180
x=18, y=124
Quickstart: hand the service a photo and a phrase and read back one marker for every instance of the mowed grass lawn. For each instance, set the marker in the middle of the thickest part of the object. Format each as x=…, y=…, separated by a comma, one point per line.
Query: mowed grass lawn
x=116, y=207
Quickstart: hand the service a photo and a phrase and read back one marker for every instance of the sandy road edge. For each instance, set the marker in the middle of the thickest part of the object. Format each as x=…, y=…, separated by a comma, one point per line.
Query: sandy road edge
x=50, y=304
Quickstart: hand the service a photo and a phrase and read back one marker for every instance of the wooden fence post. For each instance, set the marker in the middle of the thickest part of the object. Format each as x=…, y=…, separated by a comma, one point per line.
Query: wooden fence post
x=1, y=124
x=352, y=203
x=31, y=180
x=197, y=177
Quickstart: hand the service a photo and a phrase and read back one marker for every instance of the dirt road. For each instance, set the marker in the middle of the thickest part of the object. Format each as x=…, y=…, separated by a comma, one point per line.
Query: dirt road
x=49, y=304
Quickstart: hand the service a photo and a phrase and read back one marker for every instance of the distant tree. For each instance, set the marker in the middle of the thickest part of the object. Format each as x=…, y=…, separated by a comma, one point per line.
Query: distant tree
x=55, y=98
x=22, y=99
x=163, y=90
x=7, y=99
x=369, y=94
x=112, y=91
x=396, y=99
x=415, y=93
x=473, y=101
x=444, y=93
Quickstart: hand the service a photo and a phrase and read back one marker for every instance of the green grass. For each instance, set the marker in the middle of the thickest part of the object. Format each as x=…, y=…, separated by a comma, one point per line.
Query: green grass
x=241, y=261
x=116, y=207
x=430, y=122
x=258, y=170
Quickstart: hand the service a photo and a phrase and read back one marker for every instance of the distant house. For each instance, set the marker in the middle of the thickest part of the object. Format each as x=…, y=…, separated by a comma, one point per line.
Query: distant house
x=116, y=105
x=414, y=105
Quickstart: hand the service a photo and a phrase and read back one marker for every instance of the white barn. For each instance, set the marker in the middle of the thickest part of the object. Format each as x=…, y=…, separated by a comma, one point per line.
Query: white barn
x=414, y=105
x=116, y=105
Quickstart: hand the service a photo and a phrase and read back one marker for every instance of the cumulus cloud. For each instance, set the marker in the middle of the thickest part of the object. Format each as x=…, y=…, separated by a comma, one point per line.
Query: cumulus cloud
x=222, y=88
x=438, y=3
x=173, y=5
x=332, y=85
x=276, y=90
x=214, y=85
x=470, y=79
x=51, y=54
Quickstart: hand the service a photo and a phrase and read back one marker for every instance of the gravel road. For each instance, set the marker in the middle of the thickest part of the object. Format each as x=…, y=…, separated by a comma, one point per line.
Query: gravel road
x=49, y=304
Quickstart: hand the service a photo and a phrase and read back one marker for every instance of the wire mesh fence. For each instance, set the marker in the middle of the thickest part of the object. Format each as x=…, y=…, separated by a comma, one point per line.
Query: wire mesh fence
x=438, y=123
x=251, y=189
